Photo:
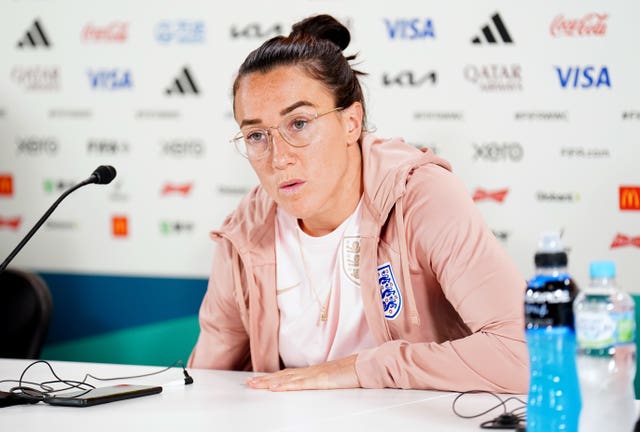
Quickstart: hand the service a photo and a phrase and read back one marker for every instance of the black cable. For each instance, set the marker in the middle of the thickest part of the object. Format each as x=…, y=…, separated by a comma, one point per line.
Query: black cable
x=513, y=419
x=45, y=388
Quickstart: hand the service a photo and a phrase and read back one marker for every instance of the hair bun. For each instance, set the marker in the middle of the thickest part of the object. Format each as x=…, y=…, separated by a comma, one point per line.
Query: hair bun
x=323, y=27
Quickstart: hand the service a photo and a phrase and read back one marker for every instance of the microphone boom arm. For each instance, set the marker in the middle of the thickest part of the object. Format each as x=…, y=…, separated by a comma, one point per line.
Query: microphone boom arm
x=102, y=175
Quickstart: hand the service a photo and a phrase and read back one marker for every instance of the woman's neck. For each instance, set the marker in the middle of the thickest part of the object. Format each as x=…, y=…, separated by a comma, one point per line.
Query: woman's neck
x=341, y=208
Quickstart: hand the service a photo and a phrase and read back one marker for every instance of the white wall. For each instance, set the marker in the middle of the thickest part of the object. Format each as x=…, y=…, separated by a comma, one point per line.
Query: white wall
x=559, y=155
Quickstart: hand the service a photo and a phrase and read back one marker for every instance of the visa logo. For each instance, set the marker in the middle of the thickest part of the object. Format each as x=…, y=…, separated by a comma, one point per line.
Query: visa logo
x=583, y=77
x=110, y=79
x=415, y=28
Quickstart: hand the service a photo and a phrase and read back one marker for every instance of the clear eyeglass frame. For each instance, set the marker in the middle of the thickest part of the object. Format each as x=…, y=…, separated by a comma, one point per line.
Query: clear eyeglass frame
x=298, y=137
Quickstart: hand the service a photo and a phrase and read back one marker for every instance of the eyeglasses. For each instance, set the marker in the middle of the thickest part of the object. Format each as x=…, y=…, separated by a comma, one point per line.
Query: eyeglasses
x=297, y=129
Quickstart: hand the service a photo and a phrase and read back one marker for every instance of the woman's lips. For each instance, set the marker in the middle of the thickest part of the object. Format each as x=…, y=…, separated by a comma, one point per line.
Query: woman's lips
x=290, y=187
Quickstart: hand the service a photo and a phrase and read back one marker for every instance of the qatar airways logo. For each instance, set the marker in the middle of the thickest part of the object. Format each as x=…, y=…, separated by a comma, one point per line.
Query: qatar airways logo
x=498, y=195
x=495, y=77
x=36, y=77
x=116, y=32
x=591, y=24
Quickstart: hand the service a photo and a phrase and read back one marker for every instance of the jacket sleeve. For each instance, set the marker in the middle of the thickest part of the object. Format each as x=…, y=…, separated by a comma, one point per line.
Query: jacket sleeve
x=448, y=237
x=223, y=342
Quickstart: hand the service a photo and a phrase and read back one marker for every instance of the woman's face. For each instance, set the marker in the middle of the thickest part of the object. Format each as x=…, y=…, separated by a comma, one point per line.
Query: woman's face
x=317, y=183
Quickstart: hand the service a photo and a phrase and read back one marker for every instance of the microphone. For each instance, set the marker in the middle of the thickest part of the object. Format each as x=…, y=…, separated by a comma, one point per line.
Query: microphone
x=104, y=174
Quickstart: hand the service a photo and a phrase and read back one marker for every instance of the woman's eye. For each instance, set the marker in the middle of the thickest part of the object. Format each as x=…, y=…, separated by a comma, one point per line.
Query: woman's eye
x=298, y=124
x=255, y=136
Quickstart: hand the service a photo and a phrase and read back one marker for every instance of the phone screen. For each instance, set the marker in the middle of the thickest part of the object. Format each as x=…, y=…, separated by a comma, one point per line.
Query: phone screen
x=102, y=395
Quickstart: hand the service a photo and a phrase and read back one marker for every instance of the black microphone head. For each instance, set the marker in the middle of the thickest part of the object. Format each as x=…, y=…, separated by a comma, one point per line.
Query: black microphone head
x=104, y=174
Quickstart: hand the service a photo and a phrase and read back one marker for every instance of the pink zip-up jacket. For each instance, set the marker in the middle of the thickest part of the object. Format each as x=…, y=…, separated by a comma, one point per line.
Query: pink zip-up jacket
x=458, y=319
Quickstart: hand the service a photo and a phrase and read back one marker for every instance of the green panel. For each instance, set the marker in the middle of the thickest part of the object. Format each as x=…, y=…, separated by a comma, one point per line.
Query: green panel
x=157, y=344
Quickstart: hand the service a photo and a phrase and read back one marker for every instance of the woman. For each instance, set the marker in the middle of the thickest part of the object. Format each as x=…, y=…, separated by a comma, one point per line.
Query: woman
x=357, y=261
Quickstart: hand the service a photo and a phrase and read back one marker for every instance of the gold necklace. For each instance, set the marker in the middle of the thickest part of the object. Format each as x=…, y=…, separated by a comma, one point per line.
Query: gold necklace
x=307, y=273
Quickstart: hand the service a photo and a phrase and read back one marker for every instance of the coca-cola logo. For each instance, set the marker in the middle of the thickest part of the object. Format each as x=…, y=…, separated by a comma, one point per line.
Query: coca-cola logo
x=592, y=24
x=112, y=32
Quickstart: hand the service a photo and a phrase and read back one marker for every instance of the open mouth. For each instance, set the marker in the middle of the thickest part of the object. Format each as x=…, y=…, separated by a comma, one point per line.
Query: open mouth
x=291, y=186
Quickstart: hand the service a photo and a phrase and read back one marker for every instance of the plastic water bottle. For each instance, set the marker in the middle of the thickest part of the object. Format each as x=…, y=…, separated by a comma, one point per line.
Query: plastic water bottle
x=554, y=394
x=605, y=328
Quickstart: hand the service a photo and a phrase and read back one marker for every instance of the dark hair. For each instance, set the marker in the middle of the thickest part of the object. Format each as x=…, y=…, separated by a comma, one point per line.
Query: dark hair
x=315, y=44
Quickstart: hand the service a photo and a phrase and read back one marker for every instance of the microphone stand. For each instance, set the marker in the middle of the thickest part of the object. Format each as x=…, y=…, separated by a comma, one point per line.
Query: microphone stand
x=44, y=217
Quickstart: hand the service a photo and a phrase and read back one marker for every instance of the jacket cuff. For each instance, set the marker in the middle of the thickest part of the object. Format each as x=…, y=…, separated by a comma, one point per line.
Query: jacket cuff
x=372, y=372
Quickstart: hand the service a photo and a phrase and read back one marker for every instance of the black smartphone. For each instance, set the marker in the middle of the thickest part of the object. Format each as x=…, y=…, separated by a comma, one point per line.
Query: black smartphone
x=100, y=395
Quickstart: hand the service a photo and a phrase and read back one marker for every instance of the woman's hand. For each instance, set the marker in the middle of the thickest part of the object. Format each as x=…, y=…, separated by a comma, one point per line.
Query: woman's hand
x=334, y=374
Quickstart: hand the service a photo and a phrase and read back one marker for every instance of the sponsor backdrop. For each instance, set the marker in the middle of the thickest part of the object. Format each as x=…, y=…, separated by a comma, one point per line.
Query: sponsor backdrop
x=536, y=107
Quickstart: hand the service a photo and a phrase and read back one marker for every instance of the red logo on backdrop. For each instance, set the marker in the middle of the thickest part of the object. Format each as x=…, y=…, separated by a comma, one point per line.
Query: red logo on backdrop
x=120, y=226
x=6, y=185
x=498, y=195
x=622, y=240
x=183, y=189
x=629, y=197
x=592, y=24
x=113, y=32
x=10, y=223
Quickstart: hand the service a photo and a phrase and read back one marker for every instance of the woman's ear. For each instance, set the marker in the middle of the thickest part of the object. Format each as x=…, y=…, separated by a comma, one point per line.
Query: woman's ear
x=353, y=122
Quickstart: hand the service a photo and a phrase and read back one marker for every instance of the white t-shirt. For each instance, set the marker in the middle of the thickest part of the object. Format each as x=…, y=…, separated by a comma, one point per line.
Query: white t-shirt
x=313, y=272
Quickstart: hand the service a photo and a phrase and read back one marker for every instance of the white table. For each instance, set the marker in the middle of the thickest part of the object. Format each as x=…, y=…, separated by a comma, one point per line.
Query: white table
x=219, y=401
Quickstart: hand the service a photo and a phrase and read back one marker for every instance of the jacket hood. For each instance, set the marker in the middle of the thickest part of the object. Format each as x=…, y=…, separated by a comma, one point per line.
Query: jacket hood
x=387, y=165
x=245, y=225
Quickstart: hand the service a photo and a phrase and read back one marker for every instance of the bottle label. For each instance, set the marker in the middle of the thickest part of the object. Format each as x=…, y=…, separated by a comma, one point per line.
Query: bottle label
x=602, y=330
x=626, y=328
x=540, y=315
x=548, y=301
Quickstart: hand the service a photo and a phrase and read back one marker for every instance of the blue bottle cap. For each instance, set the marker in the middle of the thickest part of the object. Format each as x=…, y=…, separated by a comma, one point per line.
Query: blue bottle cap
x=602, y=269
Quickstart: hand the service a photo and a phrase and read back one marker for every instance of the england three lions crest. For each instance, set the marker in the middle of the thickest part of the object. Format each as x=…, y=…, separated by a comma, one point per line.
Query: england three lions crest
x=389, y=292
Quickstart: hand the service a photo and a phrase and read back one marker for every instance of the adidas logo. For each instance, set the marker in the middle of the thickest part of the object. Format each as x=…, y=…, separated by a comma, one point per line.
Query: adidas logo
x=489, y=36
x=34, y=37
x=183, y=84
